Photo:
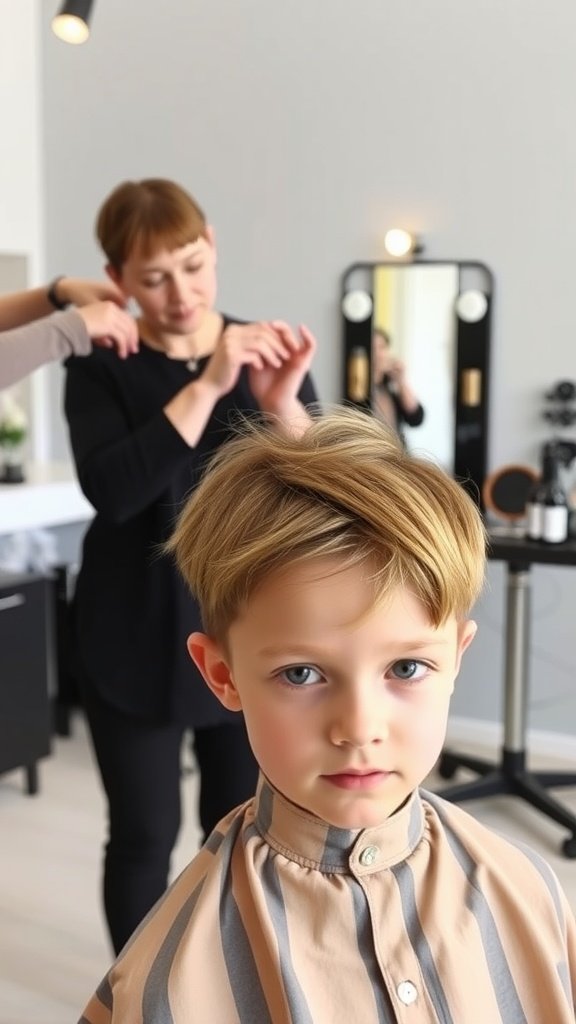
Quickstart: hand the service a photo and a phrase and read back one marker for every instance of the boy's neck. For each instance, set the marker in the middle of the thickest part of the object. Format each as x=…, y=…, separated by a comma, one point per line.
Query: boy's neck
x=308, y=840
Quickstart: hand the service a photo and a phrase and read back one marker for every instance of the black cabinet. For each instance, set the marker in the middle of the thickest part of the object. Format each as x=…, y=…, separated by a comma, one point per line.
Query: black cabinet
x=25, y=658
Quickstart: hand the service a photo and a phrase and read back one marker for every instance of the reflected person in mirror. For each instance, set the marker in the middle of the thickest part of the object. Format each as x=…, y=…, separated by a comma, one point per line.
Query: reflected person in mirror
x=31, y=337
x=393, y=399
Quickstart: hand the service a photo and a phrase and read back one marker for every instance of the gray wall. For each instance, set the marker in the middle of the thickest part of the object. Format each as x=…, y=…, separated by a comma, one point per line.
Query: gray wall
x=308, y=128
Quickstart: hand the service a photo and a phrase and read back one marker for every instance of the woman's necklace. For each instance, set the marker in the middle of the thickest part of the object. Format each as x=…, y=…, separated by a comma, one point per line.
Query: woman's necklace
x=191, y=363
x=209, y=342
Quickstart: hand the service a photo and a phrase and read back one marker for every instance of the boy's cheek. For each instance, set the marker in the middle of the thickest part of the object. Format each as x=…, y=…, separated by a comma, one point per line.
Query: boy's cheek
x=421, y=726
x=271, y=741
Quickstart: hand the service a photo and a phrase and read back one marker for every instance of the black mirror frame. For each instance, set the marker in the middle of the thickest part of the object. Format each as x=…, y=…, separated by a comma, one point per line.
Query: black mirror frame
x=472, y=354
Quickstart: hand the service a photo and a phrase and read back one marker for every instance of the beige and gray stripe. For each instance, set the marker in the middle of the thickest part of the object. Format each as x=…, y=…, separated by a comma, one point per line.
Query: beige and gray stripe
x=281, y=919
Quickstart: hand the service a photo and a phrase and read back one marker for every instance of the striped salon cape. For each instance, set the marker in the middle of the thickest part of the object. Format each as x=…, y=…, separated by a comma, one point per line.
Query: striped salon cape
x=429, y=918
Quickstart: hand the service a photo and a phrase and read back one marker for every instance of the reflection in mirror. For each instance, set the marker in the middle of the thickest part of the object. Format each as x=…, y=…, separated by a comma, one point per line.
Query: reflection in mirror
x=416, y=354
x=394, y=399
x=415, y=307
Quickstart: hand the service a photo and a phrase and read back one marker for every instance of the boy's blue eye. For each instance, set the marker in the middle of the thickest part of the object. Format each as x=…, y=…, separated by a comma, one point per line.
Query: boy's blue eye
x=301, y=675
x=408, y=669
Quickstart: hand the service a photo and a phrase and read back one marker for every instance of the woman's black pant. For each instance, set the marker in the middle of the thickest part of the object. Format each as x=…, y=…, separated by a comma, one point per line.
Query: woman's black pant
x=140, y=766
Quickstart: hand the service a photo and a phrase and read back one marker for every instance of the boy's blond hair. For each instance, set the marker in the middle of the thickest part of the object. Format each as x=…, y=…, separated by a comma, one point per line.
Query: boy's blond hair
x=345, y=489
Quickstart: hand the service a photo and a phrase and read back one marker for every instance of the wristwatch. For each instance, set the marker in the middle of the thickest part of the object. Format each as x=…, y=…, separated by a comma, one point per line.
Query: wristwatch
x=52, y=295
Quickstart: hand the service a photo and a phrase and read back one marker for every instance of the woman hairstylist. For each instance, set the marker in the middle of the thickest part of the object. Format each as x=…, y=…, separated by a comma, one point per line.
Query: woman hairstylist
x=141, y=432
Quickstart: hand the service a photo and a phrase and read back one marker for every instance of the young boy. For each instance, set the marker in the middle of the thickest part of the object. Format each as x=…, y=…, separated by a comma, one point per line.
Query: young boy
x=335, y=574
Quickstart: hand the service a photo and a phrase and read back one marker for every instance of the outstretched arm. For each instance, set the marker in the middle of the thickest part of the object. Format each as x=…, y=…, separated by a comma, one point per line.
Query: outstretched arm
x=56, y=337
x=24, y=307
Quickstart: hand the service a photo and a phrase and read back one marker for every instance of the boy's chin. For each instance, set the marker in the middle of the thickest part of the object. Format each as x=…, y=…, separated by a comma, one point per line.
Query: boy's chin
x=357, y=818
x=357, y=822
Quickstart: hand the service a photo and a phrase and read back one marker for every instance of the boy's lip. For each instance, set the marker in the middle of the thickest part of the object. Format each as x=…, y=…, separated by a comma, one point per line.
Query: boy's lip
x=357, y=778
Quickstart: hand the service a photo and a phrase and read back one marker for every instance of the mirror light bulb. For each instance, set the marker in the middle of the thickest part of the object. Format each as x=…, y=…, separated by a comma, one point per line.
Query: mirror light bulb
x=471, y=305
x=357, y=306
x=398, y=242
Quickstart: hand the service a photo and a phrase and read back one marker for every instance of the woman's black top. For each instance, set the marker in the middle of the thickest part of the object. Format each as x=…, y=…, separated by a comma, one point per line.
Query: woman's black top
x=132, y=611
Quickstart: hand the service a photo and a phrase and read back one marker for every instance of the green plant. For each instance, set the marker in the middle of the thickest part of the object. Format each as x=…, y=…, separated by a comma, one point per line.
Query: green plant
x=11, y=435
x=13, y=423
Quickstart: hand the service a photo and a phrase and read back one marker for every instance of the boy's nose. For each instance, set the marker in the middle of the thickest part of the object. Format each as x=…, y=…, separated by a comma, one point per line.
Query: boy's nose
x=358, y=722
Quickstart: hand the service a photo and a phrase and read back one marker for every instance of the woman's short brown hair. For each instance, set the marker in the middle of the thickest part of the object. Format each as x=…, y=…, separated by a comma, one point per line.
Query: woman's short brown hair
x=345, y=489
x=147, y=215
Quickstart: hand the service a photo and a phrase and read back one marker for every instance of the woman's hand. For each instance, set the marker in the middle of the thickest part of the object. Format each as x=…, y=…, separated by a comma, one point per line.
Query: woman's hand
x=258, y=346
x=109, y=326
x=276, y=387
x=396, y=371
x=254, y=345
x=277, y=362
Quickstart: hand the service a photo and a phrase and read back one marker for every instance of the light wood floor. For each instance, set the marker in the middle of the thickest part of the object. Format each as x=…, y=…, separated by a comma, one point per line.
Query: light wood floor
x=53, y=946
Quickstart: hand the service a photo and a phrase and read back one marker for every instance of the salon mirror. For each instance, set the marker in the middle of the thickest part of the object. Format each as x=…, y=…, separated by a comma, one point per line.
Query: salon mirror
x=433, y=319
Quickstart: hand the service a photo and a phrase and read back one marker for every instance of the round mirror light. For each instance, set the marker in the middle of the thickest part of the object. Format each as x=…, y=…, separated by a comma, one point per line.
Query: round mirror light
x=471, y=306
x=399, y=242
x=357, y=306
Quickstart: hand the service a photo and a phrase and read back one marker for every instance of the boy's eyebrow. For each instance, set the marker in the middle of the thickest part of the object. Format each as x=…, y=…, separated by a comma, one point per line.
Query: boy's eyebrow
x=431, y=642
x=285, y=648
x=307, y=650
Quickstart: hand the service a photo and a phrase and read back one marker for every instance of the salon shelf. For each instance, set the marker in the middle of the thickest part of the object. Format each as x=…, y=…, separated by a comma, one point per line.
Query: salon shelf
x=50, y=496
x=25, y=658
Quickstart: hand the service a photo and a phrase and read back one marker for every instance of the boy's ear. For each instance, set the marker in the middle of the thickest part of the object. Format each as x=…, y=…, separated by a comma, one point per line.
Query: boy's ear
x=212, y=663
x=466, y=633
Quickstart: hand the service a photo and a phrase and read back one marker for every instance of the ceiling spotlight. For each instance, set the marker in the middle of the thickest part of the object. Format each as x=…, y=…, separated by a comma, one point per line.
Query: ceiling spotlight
x=71, y=22
x=400, y=243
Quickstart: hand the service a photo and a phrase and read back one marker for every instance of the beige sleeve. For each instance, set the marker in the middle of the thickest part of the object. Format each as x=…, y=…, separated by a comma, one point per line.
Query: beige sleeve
x=54, y=337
